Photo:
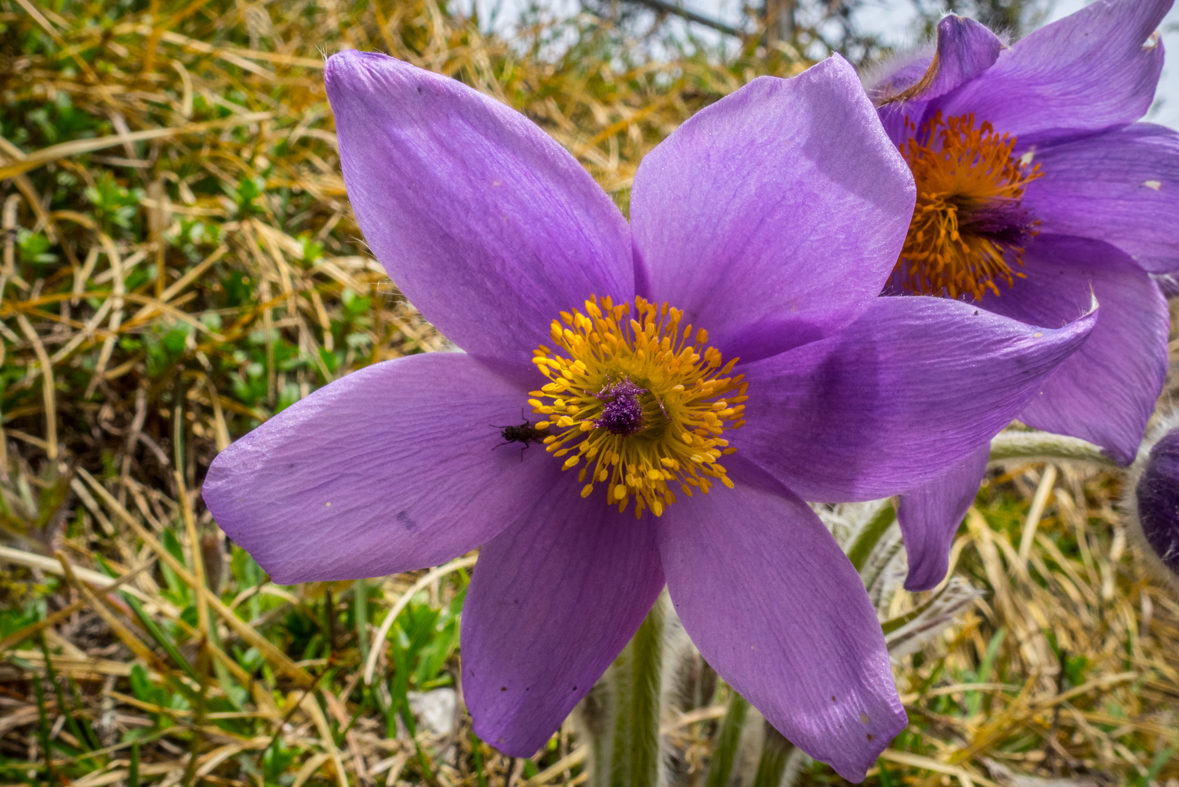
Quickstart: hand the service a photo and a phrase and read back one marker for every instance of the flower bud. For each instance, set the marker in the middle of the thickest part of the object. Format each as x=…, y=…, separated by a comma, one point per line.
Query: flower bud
x=1156, y=499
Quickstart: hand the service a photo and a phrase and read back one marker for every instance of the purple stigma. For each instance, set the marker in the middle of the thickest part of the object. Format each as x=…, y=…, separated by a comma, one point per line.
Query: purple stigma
x=623, y=412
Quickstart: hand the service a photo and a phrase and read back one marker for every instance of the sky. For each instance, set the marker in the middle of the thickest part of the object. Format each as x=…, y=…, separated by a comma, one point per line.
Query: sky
x=894, y=21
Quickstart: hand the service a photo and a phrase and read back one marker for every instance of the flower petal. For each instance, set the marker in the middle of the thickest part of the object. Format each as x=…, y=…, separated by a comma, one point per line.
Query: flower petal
x=888, y=88
x=391, y=468
x=465, y=201
x=1168, y=284
x=897, y=75
x=1093, y=69
x=897, y=399
x=965, y=49
x=929, y=517
x=1121, y=187
x=774, y=216
x=554, y=598
x=777, y=609
x=1106, y=392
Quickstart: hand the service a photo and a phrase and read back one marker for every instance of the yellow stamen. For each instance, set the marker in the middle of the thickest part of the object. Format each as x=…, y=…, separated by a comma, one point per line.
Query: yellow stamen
x=968, y=228
x=641, y=405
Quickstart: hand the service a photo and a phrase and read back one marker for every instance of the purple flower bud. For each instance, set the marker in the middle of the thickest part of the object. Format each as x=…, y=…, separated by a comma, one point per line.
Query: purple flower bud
x=1157, y=497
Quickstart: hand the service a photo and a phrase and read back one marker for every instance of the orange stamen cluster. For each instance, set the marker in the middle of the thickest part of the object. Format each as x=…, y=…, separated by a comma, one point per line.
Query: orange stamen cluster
x=968, y=229
x=683, y=388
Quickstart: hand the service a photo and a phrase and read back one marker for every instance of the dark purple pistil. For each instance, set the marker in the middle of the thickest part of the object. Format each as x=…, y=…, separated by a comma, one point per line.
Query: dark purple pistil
x=1158, y=500
x=1003, y=221
x=622, y=413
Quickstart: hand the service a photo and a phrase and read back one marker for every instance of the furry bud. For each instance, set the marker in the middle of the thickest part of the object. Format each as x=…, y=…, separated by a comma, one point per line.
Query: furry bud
x=1156, y=498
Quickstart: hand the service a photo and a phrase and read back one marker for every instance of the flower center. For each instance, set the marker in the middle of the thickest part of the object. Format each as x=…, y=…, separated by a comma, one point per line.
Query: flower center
x=968, y=227
x=637, y=403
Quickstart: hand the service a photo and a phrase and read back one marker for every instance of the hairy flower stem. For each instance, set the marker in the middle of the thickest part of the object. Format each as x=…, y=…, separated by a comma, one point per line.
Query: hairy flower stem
x=775, y=754
x=622, y=719
x=725, y=753
x=865, y=544
x=646, y=696
x=1041, y=445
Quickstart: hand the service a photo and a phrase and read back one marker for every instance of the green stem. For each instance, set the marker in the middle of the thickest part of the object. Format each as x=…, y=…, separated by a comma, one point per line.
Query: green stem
x=477, y=754
x=626, y=754
x=725, y=753
x=620, y=747
x=775, y=753
x=360, y=606
x=198, y=714
x=62, y=707
x=646, y=696
x=133, y=771
x=870, y=536
x=1040, y=445
x=43, y=731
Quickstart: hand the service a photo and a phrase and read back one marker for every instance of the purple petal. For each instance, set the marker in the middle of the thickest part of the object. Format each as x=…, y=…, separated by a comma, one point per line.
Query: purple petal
x=895, y=108
x=898, y=74
x=485, y=223
x=1121, y=187
x=1105, y=392
x=394, y=467
x=1168, y=284
x=741, y=216
x=929, y=517
x=897, y=399
x=965, y=49
x=1093, y=69
x=554, y=598
x=896, y=119
x=777, y=609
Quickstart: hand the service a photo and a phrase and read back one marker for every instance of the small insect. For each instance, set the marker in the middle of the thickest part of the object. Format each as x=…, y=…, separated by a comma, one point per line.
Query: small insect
x=524, y=433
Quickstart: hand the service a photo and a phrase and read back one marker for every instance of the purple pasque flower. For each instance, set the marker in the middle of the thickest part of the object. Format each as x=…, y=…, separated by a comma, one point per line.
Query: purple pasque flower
x=1037, y=192
x=694, y=377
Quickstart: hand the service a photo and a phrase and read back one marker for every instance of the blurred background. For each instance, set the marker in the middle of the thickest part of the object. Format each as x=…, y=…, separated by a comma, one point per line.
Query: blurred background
x=865, y=31
x=180, y=263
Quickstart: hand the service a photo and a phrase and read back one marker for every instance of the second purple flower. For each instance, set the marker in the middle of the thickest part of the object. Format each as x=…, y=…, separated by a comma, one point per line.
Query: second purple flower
x=1037, y=191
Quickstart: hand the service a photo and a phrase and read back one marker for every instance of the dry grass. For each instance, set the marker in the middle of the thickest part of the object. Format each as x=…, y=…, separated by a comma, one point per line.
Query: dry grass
x=180, y=263
x=1076, y=649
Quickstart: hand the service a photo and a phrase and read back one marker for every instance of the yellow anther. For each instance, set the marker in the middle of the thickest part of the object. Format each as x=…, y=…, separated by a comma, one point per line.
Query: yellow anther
x=968, y=228
x=669, y=401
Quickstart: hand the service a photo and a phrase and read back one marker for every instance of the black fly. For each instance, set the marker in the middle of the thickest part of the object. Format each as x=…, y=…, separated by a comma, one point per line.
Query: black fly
x=524, y=433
